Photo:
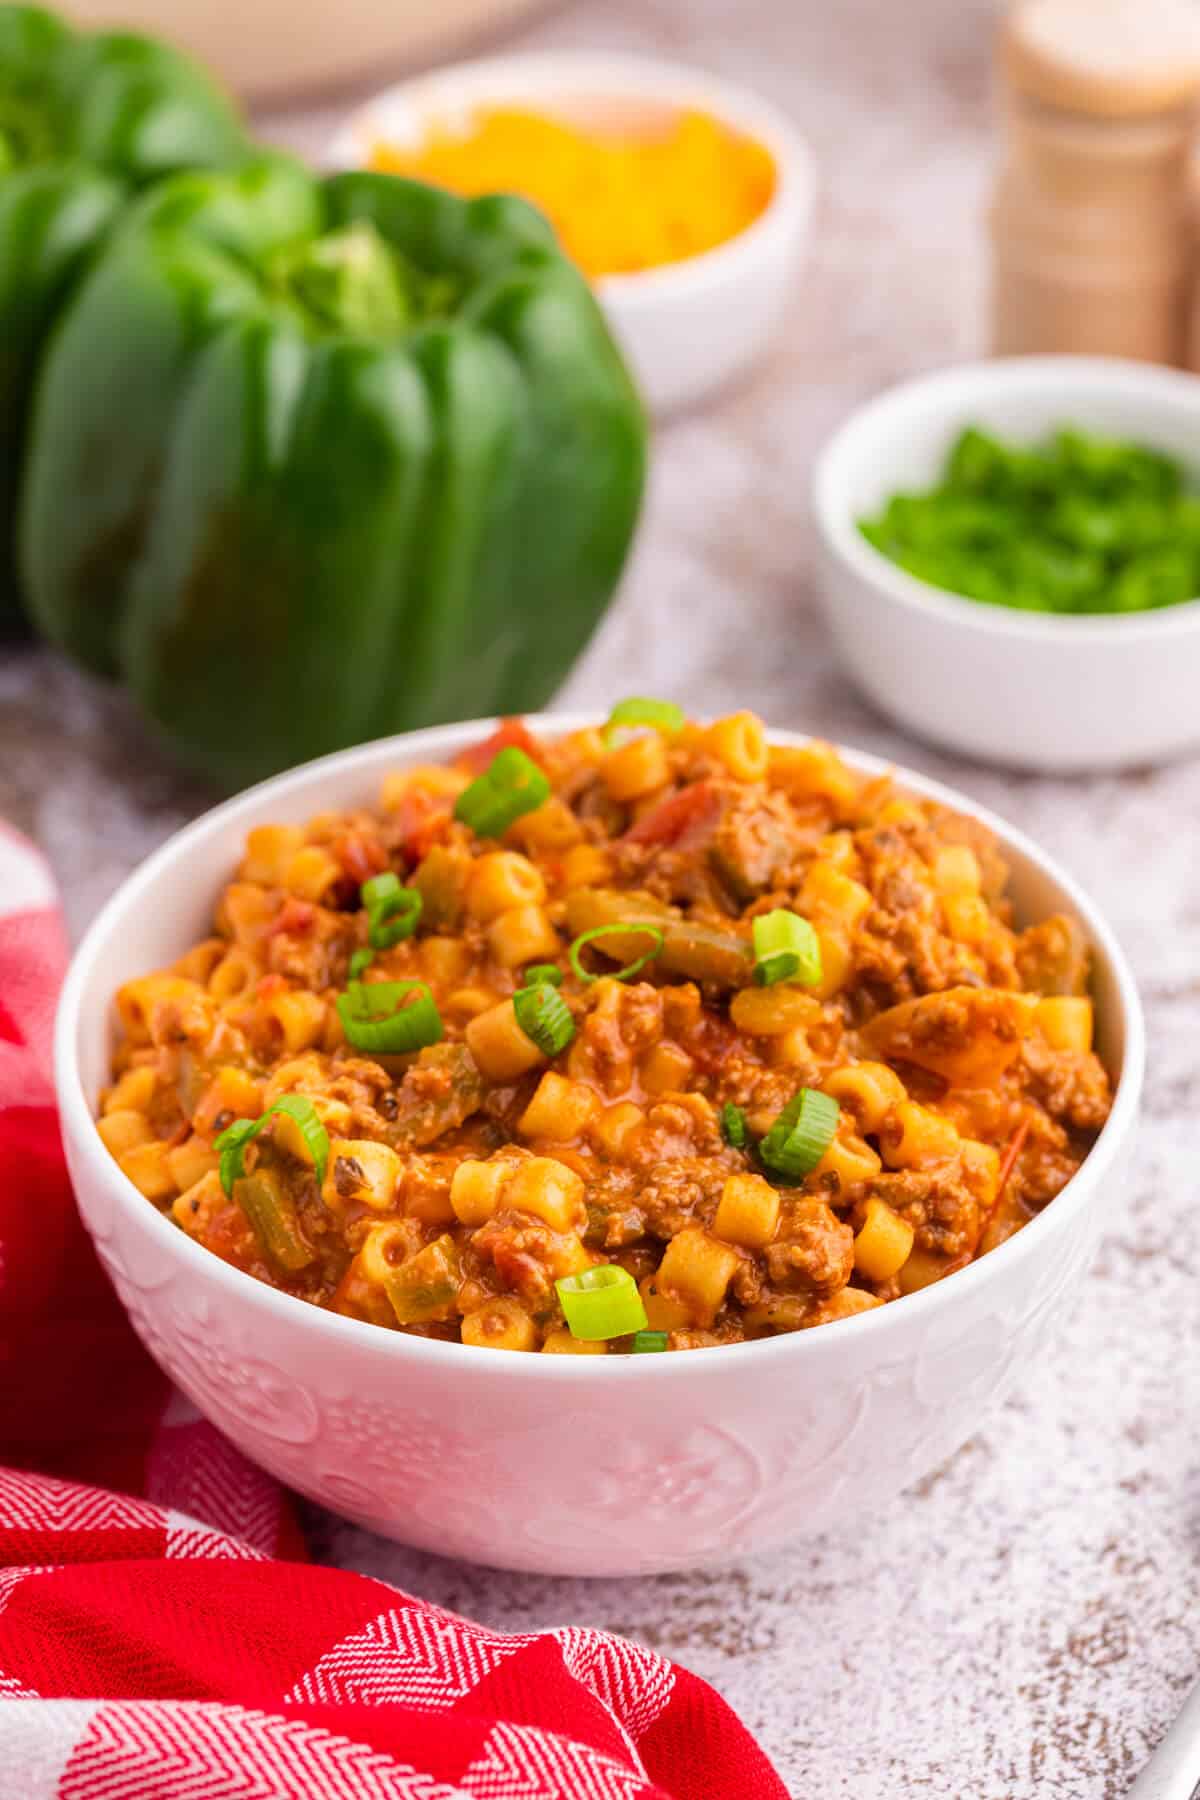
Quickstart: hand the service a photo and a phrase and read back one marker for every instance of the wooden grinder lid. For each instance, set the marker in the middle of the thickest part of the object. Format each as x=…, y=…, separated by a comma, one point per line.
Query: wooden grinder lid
x=1111, y=59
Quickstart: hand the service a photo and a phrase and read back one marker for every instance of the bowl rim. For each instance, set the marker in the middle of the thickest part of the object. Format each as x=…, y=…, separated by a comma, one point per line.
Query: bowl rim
x=1073, y=376
x=78, y=1117
x=627, y=75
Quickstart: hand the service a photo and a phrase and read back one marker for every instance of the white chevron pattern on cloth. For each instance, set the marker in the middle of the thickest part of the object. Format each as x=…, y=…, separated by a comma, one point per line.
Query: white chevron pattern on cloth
x=11, y=1579
x=414, y=1657
x=421, y=1658
x=520, y=1763
x=634, y=1683
x=40, y=1503
x=205, y=1476
x=187, y=1537
x=12, y=1689
x=181, y=1750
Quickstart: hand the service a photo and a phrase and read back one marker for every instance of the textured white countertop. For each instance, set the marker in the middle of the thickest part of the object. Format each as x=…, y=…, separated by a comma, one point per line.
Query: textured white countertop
x=1028, y=1620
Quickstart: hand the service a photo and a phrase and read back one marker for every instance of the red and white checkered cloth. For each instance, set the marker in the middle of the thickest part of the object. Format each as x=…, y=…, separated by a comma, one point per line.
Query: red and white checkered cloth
x=159, y=1634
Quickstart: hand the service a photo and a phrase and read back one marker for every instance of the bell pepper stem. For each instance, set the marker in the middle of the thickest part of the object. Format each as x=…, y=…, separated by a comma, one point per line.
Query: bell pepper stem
x=353, y=280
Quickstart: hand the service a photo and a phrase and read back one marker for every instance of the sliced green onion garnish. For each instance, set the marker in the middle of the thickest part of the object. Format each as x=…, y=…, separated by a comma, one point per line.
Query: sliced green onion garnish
x=733, y=1125
x=378, y=1016
x=392, y=910
x=601, y=1303
x=648, y=1340
x=619, y=930
x=785, y=949
x=359, y=962
x=800, y=1135
x=510, y=786
x=544, y=1017
x=231, y=1145
x=543, y=972
x=663, y=715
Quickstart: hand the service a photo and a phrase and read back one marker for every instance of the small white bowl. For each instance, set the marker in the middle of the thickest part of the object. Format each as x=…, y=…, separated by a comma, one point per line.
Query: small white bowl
x=1035, y=691
x=563, y=1464
x=686, y=327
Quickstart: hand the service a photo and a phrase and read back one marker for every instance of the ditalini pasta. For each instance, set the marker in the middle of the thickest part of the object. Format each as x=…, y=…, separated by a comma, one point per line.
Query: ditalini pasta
x=647, y=1038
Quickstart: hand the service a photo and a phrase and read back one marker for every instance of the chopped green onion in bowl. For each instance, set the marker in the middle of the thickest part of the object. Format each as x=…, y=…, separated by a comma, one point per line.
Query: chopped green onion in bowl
x=658, y=715
x=800, y=1135
x=393, y=911
x=544, y=1017
x=510, y=786
x=389, y=1018
x=786, y=948
x=1075, y=525
x=601, y=1302
x=734, y=1129
x=538, y=972
x=231, y=1144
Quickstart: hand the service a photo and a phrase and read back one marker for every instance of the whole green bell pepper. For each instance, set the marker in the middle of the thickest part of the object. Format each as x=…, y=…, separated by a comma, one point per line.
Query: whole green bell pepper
x=316, y=461
x=85, y=121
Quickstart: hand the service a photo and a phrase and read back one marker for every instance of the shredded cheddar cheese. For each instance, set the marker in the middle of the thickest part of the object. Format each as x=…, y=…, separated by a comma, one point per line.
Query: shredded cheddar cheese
x=618, y=203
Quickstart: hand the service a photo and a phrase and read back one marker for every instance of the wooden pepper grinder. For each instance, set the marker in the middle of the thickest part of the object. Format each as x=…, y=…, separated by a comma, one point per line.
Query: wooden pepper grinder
x=1091, y=224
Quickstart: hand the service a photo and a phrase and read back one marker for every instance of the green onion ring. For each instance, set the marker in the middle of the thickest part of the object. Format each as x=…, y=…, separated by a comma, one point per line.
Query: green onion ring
x=231, y=1145
x=800, y=1135
x=603, y=931
x=786, y=948
x=393, y=911
x=601, y=1303
x=660, y=715
x=510, y=786
x=544, y=1017
x=538, y=972
x=378, y=1017
x=733, y=1126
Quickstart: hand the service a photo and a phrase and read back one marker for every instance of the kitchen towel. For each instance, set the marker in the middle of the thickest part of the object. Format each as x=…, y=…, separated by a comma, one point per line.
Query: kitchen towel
x=161, y=1636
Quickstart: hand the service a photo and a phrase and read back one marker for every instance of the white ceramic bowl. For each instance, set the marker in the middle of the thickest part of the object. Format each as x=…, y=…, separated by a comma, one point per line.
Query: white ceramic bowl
x=270, y=49
x=1032, y=690
x=573, y=1465
x=687, y=327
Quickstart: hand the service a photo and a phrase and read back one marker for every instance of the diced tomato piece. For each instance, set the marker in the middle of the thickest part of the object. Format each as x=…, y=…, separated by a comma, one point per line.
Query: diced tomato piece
x=269, y=986
x=361, y=857
x=295, y=917
x=510, y=732
x=422, y=818
x=682, y=820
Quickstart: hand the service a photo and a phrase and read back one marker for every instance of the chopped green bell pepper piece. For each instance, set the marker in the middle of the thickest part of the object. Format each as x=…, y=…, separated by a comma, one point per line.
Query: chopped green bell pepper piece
x=1076, y=525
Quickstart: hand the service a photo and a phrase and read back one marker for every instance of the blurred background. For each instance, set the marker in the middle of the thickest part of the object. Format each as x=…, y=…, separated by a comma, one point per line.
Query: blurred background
x=895, y=105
